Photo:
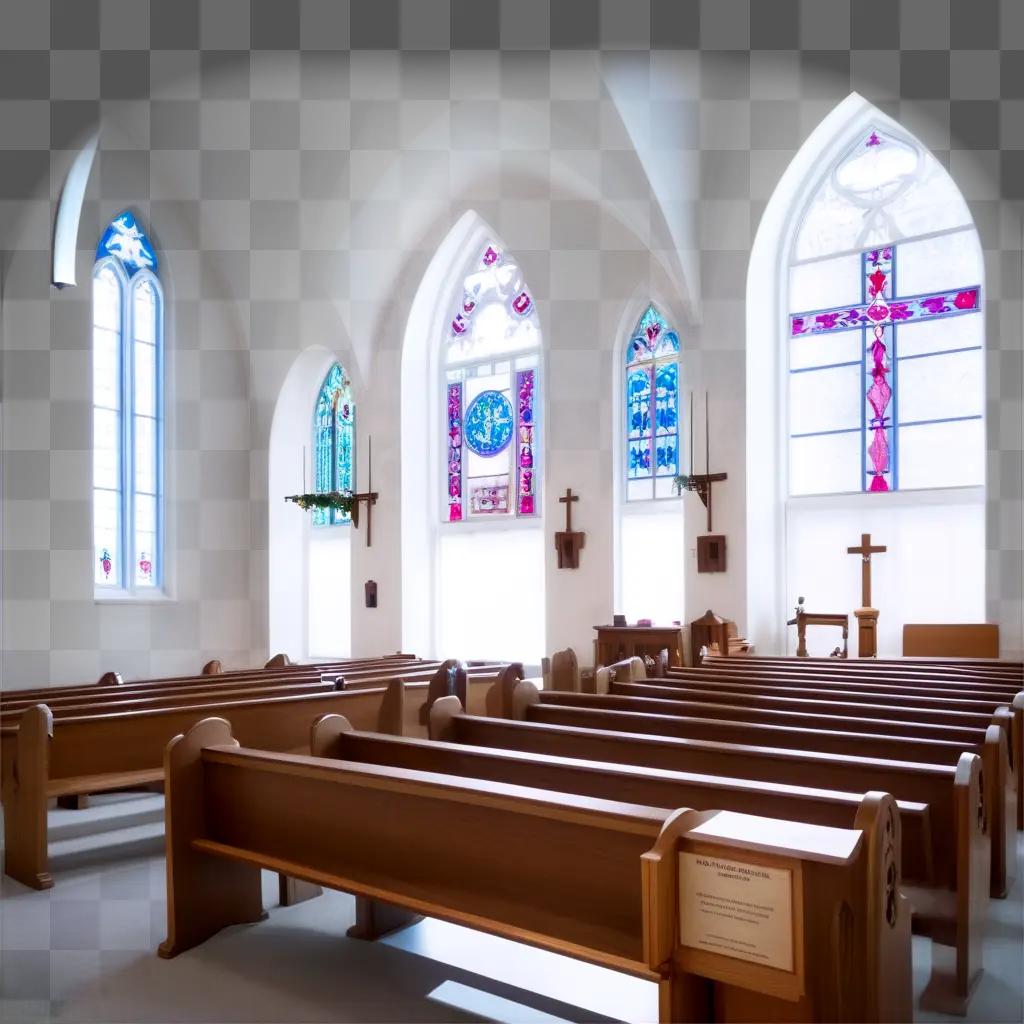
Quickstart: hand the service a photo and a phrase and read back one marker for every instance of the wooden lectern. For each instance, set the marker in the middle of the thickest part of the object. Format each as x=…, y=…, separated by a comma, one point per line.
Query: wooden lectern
x=718, y=635
x=803, y=619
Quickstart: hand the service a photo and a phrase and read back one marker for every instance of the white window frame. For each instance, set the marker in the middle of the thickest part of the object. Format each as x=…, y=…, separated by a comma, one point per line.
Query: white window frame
x=128, y=588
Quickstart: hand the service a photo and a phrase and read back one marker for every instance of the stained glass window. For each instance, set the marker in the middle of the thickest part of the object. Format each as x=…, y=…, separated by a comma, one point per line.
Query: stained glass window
x=334, y=420
x=651, y=408
x=885, y=336
x=127, y=336
x=490, y=394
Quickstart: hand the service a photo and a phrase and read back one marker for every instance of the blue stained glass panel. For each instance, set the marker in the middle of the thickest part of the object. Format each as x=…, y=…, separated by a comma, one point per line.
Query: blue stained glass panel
x=489, y=424
x=668, y=456
x=638, y=391
x=333, y=443
x=639, y=458
x=652, y=404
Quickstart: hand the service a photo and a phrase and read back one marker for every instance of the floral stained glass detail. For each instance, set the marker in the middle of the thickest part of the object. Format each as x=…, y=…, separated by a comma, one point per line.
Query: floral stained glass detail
x=333, y=443
x=489, y=424
x=879, y=316
x=496, y=312
x=454, y=452
x=125, y=240
x=526, y=487
x=652, y=402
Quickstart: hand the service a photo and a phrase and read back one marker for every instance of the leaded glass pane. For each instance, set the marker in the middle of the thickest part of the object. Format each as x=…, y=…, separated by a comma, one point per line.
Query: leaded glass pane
x=145, y=455
x=144, y=314
x=943, y=454
x=145, y=539
x=106, y=368
x=106, y=518
x=638, y=392
x=826, y=463
x=943, y=386
x=106, y=438
x=145, y=379
x=942, y=263
x=106, y=300
x=822, y=400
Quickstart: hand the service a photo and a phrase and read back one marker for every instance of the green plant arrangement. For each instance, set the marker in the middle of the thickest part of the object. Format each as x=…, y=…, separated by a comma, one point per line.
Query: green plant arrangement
x=342, y=500
x=681, y=483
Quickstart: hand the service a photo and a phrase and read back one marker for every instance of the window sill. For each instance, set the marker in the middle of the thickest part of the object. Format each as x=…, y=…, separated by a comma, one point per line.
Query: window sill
x=534, y=522
x=967, y=494
x=128, y=598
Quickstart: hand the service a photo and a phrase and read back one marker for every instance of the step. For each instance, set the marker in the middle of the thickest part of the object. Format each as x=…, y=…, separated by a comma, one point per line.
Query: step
x=107, y=812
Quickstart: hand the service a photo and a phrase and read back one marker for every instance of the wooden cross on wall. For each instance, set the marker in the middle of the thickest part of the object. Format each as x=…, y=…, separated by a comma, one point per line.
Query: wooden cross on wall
x=568, y=542
x=866, y=550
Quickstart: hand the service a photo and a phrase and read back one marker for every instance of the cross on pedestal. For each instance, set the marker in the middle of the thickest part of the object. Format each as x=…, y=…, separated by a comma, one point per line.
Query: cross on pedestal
x=567, y=501
x=866, y=550
x=867, y=617
x=568, y=542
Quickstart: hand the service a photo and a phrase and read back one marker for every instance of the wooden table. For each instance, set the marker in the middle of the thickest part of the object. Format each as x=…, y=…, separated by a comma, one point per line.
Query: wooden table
x=614, y=643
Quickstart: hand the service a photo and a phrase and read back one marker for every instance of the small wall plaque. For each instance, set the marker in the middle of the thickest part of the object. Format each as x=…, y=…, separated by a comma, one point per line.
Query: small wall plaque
x=711, y=553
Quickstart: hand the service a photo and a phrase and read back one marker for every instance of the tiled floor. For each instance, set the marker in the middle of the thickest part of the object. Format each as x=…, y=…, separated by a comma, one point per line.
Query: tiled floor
x=85, y=952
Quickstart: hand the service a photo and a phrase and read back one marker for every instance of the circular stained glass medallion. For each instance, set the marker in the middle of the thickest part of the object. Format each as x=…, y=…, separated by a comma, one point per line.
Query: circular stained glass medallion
x=489, y=423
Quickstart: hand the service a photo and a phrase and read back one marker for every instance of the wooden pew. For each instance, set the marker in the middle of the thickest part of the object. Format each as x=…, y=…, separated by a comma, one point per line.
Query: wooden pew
x=43, y=757
x=97, y=704
x=601, y=880
x=111, y=683
x=950, y=887
x=901, y=694
x=333, y=736
x=999, y=782
x=963, y=666
x=923, y=681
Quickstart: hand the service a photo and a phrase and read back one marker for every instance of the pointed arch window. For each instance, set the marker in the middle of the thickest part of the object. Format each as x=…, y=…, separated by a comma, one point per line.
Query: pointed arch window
x=127, y=338
x=334, y=421
x=651, y=403
x=885, y=336
x=491, y=367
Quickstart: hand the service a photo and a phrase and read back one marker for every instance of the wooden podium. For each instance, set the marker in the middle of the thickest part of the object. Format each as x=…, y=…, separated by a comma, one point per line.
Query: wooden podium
x=804, y=619
x=615, y=643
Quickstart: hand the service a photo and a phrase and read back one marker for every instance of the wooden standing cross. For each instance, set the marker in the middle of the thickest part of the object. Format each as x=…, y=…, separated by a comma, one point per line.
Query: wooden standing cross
x=866, y=550
x=568, y=542
x=867, y=617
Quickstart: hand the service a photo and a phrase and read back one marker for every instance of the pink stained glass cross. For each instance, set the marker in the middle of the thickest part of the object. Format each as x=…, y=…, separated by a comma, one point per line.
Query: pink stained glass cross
x=878, y=313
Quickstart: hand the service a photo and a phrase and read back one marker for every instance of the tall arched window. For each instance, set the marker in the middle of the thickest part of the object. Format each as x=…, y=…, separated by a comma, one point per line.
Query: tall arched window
x=333, y=432
x=128, y=521
x=650, y=522
x=652, y=408
x=868, y=265
x=885, y=333
x=490, y=395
